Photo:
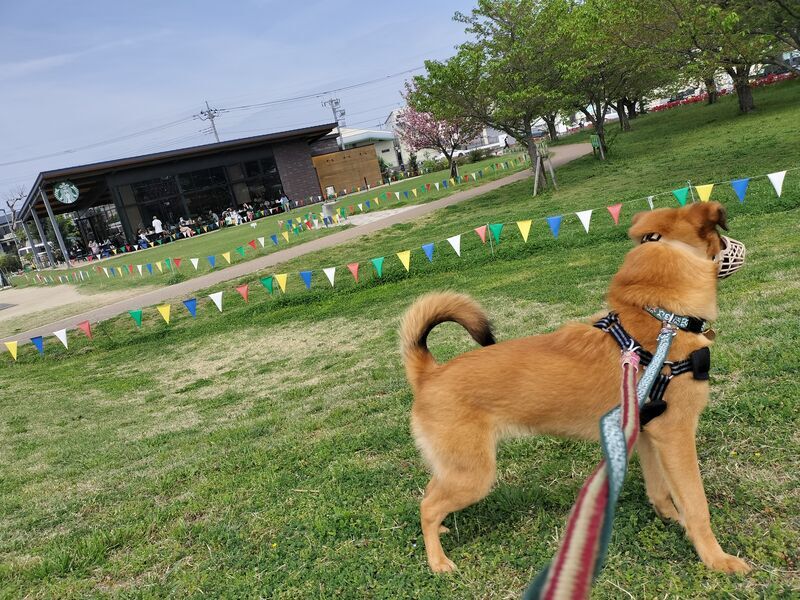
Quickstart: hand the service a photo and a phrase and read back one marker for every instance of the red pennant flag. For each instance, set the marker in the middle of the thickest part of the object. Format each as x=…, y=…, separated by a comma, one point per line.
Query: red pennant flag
x=615, y=210
x=252, y=244
x=481, y=231
x=98, y=269
x=177, y=262
x=130, y=269
x=86, y=328
x=242, y=289
x=351, y=209
x=308, y=224
x=354, y=270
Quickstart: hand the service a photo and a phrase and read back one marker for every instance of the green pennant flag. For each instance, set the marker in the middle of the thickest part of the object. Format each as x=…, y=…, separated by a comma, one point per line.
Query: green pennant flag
x=496, y=228
x=378, y=264
x=168, y=263
x=267, y=283
x=680, y=195
x=159, y=242
x=137, y=316
x=384, y=196
x=240, y=250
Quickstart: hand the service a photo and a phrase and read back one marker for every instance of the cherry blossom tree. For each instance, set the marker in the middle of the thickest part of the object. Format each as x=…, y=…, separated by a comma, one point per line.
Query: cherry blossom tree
x=420, y=130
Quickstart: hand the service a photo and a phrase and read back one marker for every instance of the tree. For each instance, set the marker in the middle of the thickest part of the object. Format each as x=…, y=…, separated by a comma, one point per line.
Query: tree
x=779, y=19
x=13, y=199
x=421, y=130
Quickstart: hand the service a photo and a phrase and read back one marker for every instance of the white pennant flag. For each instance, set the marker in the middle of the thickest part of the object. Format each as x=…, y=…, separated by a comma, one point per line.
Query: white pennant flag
x=330, y=273
x=650, y=202
x=397, y=195
x=139, y=267
x=261, y=241
x=586, y=217
x=61, y=334
x=217, y=298
x=437, y=186
x=361, y=207
x=455, y=242
x=105, y=270
x=777, y=181
x=195, y=262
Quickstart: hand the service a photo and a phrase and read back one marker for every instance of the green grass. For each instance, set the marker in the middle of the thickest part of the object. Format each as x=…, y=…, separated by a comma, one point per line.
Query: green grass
x=265, y=452
x=228, y=239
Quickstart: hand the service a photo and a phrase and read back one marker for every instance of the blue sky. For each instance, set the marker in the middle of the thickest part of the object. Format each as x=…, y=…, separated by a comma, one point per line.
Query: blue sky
x=73, y=73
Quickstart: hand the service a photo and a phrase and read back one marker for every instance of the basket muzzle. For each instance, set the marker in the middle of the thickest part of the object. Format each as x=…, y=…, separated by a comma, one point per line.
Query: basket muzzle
x=731, y=257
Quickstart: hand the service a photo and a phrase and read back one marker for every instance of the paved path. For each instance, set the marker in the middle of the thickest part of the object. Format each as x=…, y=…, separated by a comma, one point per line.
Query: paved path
x=561, y=155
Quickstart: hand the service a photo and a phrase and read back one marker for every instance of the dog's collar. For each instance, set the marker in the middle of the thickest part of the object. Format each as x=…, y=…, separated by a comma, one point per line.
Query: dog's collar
x=691, y=324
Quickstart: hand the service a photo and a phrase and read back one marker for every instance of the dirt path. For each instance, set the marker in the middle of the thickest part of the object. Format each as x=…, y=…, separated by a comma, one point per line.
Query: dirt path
x=561, y=155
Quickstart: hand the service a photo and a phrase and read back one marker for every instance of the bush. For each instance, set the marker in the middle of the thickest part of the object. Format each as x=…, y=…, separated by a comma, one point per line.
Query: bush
x=476, y=155
x=10, y=262
x=429, y=166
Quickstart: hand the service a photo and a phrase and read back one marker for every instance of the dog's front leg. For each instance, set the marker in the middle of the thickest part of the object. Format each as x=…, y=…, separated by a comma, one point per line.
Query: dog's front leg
x=656, y=485
x=677, y=455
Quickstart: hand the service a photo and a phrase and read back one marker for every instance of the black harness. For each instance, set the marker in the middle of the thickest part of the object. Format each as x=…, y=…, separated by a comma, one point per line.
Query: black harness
x=698, y=363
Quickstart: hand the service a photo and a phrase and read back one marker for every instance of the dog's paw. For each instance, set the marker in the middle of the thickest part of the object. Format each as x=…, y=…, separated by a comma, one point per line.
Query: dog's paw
x=445, y=565
x=443, y=529
x=726, y=563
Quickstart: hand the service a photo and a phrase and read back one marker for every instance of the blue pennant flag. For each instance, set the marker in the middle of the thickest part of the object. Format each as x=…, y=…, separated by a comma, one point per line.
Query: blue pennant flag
x=191, y=306
x=444, y=182
x=306, y=275
x=289, y=223
x=150, y=268
x=367, y=203
x=428, y=248
x=406, y=194
x=274, y=239
x=212, y=260
x=39, y=343
x=112, y=269
x=740, y=187
x=555, y=224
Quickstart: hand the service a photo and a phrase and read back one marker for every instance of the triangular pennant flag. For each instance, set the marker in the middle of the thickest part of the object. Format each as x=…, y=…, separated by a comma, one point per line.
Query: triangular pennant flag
x=177, y=262
x=496, y=229
x=212, y=260
x=61, y=334
x=680, y=195
x=360, y=207
x=243, y=290
x=130, y=269
x=378, y=202
x=437, y=186
x=160, y=268
x=260, y=241
x=191, y=306
x=405, y=193
x=12, y=349
x=167, y=262
x=704, y=191
x=149, y=268
x=139, y=268
x=740, y=187
x=86, y=328
x=330, y=273
x=405, y=258
x=777, y=181
x=137, y=316
x=353, y=267
x=378, y=264
x=614, y=210
x=195, y=262
x=163, y=310
x=285, y=235
x=281, y=278
x=524, y=228
x=650, y=202
x=428, y=249
x=274, y=239
x=216, y=298
x=367, y=204
x=306, y=277
x=267, y=283
x=227, y=256
x=585, y=217
x=455, y=242
x=397, y=195
x=415, y=192
x=481, y=231
x=555, y=224
x=252, y=244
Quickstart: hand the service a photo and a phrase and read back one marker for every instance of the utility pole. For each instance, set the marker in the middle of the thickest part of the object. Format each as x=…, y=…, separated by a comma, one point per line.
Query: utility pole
x=209, y=115
x=338, y=116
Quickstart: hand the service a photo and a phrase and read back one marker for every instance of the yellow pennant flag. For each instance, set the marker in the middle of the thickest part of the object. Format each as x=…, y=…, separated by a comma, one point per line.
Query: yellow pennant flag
x=227, y=257
x=114, y=250
x=414, y=191
x=405, y=258
x=164, y=310
x=704, y=191
x=378, y=202
x=160, y=268
x=285, y=235
x=12, y=349
x=524, y=228
x=281, y=279
x=452, y=181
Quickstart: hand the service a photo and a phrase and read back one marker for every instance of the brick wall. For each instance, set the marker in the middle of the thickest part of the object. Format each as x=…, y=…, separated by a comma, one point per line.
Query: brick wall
x=324, y=146
x=298, y=176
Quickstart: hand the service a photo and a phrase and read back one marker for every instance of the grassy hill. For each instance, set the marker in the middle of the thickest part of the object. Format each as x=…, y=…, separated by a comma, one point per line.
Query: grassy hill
x=265, y=451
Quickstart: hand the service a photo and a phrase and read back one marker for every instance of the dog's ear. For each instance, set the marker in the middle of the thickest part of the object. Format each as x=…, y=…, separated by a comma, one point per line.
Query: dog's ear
x=710, y=215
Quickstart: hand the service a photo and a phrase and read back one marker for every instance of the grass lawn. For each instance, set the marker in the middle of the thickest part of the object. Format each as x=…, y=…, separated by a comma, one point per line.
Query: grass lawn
x=228, y=239
x=265, y=452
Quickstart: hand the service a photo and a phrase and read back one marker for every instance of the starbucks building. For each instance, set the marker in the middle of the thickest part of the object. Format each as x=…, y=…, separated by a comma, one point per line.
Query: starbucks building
x=116, y=198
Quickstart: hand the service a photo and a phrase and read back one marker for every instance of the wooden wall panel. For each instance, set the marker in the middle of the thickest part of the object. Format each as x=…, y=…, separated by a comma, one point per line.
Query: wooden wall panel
x=348, y=169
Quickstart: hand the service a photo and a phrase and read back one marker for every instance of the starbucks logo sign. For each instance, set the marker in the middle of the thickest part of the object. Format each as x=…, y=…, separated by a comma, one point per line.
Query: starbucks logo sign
x=66, y=192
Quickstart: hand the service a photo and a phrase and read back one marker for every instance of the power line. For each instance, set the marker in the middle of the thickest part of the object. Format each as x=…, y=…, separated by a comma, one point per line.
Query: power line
x=209, y=114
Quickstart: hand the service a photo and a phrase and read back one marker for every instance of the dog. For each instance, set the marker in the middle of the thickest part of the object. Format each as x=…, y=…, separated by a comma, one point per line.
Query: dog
x=561, y=383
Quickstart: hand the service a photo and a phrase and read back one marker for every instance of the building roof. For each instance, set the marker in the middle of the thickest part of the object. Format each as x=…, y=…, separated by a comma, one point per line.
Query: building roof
x=86, y=177
x=355, y=136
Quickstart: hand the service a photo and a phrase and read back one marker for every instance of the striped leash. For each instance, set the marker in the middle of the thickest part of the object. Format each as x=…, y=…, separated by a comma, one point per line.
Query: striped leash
x=582, y=552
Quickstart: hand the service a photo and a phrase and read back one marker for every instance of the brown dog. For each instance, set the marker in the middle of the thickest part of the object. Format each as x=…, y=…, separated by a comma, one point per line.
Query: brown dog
x=563, y=382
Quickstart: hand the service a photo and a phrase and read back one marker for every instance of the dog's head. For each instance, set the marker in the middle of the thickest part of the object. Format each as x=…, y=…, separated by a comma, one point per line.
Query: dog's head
x=679, y=257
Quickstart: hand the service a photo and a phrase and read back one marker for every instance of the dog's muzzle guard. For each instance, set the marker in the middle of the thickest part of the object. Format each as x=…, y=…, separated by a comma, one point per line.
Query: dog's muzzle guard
x=731, y=257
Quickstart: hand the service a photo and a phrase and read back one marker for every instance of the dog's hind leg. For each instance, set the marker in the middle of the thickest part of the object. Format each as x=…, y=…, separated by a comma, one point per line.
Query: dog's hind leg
x=452, y=488
x=654, y=482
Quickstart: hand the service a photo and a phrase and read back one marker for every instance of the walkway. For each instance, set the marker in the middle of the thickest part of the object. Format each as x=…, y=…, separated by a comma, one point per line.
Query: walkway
x=560, y=155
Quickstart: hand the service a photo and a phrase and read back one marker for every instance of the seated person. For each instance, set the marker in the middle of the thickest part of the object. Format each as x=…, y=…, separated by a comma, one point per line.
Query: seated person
x=186, y=231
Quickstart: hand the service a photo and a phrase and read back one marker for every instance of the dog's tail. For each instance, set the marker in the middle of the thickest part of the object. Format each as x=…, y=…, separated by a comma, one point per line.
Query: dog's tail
x=425, y=314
